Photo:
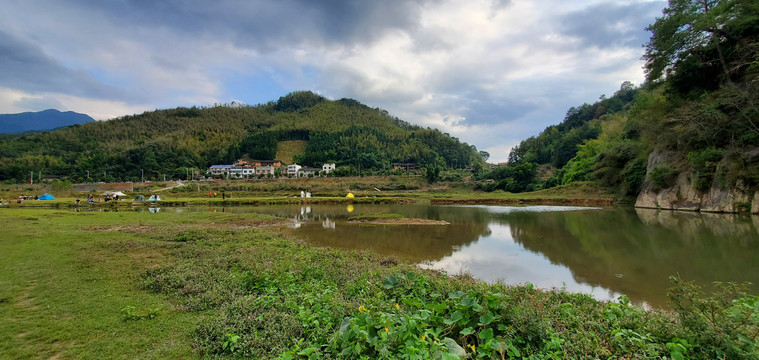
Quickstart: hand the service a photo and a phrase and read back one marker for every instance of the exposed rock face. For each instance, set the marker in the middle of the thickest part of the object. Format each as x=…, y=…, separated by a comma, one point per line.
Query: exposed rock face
x=726, y=200
x=682, y=195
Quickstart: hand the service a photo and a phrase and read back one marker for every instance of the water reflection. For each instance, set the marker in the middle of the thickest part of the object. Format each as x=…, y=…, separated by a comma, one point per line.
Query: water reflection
x=410, y=242
x=603, y=252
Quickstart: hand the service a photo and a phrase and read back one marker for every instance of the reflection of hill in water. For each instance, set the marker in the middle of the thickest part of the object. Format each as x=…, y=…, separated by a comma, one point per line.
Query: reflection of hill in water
x=417, y=243
x=616, y=250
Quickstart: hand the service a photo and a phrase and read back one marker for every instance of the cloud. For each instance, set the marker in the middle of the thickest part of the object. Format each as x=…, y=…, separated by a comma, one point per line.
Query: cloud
x=26, y=67
x=491, y=72
x=612, y=25
x=38, y=103
x=269, y=25
x=16, y=101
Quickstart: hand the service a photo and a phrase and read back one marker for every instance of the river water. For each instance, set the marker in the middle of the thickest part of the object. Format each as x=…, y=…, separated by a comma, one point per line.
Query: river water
x=602, y=252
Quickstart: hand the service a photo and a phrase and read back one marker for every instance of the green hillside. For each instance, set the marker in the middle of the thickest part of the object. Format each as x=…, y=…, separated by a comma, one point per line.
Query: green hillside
x=287, y=150
x=174, y=140
x=700, y=100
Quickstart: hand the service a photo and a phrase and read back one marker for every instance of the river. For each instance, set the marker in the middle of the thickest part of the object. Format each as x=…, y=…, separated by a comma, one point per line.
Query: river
x=604, y=252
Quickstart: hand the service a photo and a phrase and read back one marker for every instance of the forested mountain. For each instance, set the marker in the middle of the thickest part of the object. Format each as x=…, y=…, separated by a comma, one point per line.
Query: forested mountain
x=40, y=120
x=699, y=105
x=171, y=141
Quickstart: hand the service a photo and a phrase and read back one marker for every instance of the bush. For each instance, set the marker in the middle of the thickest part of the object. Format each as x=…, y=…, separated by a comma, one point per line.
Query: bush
x=723, y=326
x=663, y=176
x=705, y=162
x=634, y=173
x=451, y=176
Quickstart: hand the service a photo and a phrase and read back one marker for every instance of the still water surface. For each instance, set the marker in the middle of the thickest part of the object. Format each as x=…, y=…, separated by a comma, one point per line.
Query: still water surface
x=602, y=252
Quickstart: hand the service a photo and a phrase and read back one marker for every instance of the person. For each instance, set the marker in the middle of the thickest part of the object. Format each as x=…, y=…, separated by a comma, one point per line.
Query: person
x=223, y=196
x=77, y=201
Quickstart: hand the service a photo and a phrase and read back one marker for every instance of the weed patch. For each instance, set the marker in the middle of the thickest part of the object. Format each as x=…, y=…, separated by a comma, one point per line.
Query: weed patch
x=272, y=298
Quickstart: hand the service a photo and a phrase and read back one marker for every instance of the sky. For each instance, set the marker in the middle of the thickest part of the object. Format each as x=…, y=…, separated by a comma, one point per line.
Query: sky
x=489, y=72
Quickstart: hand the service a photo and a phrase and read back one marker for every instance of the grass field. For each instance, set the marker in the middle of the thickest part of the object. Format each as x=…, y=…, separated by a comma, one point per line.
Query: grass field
x=369, y=189
x=286, y=150
x=106, y=285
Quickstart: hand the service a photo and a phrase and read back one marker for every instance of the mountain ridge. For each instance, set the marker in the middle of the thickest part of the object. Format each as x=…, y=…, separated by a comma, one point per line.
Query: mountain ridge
x=40, y=120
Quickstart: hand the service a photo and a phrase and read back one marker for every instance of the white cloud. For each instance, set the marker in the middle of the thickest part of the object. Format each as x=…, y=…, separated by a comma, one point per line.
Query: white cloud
x=489, y=72
x=14, y=101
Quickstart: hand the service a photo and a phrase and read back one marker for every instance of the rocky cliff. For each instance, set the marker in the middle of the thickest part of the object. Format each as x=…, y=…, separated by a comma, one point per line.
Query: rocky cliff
x=727, y=194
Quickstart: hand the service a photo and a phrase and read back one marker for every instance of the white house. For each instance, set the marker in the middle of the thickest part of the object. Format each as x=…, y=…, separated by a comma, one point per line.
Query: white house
x=306, y=171
x=328, y=167
x=220, y=169
x=292, y=169
x=235, y=171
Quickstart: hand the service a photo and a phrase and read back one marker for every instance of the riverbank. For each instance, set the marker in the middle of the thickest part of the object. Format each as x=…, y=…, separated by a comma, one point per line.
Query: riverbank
x=367, y=190
x=163, y=285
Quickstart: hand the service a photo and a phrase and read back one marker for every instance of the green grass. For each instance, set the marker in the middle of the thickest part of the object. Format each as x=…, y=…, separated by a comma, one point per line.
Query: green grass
x=96, y=285
x=64, y=291
x=286, y=150
x=372, y=189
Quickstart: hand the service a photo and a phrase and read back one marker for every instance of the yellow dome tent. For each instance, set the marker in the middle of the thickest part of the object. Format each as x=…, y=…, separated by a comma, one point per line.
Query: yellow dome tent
x=350, y=195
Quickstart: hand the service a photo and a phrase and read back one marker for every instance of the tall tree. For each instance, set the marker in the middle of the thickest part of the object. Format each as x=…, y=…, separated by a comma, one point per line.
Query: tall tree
x=705, y=29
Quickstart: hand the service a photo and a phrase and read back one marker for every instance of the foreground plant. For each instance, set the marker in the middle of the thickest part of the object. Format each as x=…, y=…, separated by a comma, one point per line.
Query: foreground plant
x=269, y=297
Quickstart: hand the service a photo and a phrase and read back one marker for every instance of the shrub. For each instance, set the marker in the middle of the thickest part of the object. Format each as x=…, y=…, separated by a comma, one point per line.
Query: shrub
x=725, y=325
x=634, y=173
x=663, y=176
x=705, y=162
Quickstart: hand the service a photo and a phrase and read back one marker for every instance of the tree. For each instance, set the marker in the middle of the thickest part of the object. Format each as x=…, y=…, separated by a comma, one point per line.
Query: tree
x=485, y=155
x=433, y=173
x=706, y=32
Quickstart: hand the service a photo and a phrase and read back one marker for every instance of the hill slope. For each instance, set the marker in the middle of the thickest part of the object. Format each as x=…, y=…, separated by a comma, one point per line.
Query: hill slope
x=41, y=120
x=687, y=139
x=171, y=141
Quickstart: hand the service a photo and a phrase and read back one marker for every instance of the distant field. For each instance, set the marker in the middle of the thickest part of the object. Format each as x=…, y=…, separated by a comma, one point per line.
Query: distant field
x=286, y=150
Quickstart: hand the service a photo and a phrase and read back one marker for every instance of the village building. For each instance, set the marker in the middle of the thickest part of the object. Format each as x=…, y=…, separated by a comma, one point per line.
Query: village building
x=292, y=169
x=404, y=166
x=249, y=168
x=220, y=169
x=306, y=171
x=328, y=167
x=265, y=170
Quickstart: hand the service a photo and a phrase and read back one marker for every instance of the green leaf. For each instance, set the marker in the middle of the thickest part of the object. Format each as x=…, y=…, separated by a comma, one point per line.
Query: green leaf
x=486, y=335
x=344, y=326
x=456, y=295
x=390, y=282
x=486, y=319
x=454, y=348
x=512, y=350
x=449, y=356
x=467, y=331
x=455, y=317
x=307, y=351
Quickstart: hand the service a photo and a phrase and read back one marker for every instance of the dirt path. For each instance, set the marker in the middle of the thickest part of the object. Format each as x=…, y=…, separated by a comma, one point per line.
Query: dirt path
x=179, y=183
